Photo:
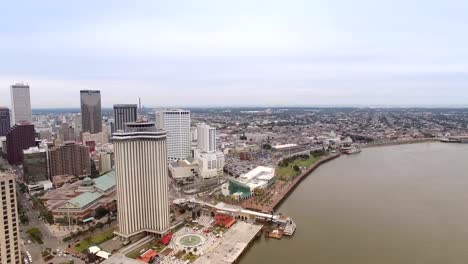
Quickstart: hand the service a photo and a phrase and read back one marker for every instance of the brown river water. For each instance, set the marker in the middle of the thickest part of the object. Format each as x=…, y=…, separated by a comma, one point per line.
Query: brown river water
x=396, y=205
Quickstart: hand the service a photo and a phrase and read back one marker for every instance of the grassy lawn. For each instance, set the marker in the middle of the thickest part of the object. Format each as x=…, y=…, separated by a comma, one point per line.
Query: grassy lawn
x=153, y=245
x=285, y=173
x=94, y=240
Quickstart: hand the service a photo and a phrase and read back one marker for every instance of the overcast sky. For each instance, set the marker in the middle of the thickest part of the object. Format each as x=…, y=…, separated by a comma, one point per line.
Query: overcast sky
x=234, y=53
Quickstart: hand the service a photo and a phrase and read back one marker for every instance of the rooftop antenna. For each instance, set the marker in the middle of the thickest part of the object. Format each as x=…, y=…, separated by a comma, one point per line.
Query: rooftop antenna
x=139, y=103
x=140, y=117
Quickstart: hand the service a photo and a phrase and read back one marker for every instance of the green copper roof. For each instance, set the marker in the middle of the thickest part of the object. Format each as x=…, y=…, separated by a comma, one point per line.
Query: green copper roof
x=105, y=182
x=85, y=199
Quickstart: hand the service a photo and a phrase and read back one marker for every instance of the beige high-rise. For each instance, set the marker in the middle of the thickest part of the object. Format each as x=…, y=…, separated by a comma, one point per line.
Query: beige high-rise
x=9, y=229
x=142, y=183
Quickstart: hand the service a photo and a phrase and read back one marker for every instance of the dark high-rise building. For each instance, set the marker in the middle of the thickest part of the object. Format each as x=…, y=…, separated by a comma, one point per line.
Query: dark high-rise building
x=19, y=137
x=91, y=111
x=124, y=113
x=35, y=165
x=69, y=159
x=4, y=121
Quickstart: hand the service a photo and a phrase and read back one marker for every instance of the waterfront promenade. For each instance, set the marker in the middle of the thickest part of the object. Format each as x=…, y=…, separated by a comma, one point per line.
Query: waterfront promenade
x=281, y=189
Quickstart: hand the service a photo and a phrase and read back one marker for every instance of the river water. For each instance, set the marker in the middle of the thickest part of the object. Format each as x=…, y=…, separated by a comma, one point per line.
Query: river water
x=396, y=205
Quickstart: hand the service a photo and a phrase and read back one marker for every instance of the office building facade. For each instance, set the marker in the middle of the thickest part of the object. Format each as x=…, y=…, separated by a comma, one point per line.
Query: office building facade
x=69, y=159
x=10, y=251
x=35, y=166
x=142, y=180
x=206, y=138
x=4, y=121
x=91, y=118
x=77, y=126
x=66, y=132
x=19, y=137
x=20, y=103
x=177, y=125
x=124, y=113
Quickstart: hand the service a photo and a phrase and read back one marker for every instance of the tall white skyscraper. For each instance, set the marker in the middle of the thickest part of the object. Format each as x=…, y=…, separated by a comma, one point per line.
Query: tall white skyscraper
x=10, y=251
x=176, y=122
x=210, y=161
x=142, y=181
x=20, y=103
x=206, y=138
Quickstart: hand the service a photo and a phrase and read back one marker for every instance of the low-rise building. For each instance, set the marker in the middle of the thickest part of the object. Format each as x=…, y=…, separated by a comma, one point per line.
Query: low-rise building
x=81, y=199
x=183, y=171
x=249, y=183
x=210, y=164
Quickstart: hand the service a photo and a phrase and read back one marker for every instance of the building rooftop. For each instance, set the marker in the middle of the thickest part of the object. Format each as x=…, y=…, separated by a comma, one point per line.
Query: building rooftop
x=32, y=150
x=285, y=146
x=256, y=178
x=84, y=199
x=105, y=182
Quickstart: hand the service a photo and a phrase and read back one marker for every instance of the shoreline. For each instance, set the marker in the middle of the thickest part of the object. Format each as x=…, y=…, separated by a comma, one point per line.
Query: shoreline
x=293, y=184
x=289, y=188
x=301, y=177
x=396, y=143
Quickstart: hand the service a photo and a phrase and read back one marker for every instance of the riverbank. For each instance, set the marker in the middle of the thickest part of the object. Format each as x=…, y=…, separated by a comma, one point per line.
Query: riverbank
x=401, y=204
x=281, y=190
x=401, y=142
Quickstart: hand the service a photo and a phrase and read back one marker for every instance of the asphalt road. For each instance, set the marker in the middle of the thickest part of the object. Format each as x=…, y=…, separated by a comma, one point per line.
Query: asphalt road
x=49, y=240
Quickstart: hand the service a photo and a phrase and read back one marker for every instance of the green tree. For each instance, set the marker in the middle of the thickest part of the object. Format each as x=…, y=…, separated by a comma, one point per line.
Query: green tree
x=35, y=234
x=296, y=168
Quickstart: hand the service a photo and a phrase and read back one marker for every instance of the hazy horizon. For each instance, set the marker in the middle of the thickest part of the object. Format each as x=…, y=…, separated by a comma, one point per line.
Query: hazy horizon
x=211, y=53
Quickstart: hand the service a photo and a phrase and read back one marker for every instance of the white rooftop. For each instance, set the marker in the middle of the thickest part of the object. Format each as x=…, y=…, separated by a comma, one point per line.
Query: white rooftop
x=285, y=146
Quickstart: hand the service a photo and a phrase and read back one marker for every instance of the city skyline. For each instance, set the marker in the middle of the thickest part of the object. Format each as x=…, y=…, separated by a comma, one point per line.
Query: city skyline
x=261, y=53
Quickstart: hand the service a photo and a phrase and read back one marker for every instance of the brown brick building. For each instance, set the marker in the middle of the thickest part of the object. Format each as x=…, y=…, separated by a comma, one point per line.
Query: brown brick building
x=69, y=159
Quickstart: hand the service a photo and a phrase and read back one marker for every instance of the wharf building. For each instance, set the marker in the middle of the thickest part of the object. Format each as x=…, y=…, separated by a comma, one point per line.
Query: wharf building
x=9, y=229
x=124, y=113
x=176, y=122
x=20, y=103
x=249, y=184
x=91, y=118
x=4, y=121
x=69, y=159
x=142, y=180
x=19, y=137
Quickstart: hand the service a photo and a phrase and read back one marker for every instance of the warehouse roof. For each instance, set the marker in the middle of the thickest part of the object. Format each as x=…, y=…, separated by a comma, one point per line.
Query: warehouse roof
x=105, y=182
x=85, y=199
